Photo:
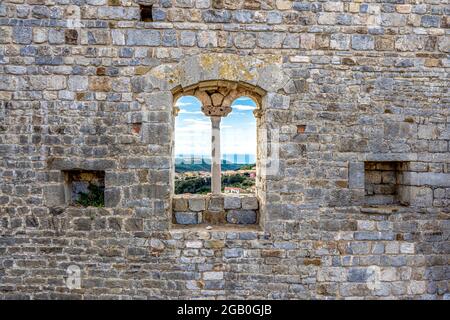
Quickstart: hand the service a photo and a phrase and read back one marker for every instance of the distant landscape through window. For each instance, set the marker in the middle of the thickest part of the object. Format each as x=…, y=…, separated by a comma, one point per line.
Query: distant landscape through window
x=193, y=148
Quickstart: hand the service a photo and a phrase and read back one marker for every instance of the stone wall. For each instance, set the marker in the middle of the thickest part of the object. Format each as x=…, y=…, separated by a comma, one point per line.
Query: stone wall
x=383, y=181
x=85, y=85
x=215, y=210
x=405, y=183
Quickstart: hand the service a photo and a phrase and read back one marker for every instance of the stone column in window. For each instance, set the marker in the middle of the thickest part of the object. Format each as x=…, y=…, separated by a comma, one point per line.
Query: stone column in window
x=216, y=113
x=216, y=179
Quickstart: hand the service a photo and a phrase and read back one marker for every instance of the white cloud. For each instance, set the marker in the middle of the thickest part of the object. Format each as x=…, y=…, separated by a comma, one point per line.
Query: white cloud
x=195, y=122
x=184, y=111
x=184, y=104
x=193, y=136
x=243, y=107
x=244, y=99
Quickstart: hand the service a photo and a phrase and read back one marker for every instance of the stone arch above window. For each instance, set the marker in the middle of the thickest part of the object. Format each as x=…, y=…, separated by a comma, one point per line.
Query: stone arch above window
x=218, y=96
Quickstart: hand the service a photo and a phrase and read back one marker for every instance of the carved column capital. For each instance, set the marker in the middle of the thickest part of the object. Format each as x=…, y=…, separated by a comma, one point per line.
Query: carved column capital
x=221, y=111
x=257, y=113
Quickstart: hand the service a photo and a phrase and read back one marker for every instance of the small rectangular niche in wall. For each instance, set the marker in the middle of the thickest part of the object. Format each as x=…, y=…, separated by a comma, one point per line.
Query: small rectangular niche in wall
x=85, y=188
x=383, y=182
x=146, y=13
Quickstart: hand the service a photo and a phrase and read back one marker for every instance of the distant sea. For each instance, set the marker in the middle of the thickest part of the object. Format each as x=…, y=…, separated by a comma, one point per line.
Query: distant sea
x=206, y=159
x=185, y=163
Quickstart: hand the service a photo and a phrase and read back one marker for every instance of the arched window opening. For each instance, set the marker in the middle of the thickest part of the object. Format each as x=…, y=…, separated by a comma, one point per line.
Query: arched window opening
x=238, y=131
x=192, y=147
x=216, y=154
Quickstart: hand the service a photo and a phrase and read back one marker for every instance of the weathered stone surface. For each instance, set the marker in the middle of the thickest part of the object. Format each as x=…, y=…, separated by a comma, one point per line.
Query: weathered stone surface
x=356, y=175
x=428, y=21
x=187, y=217
x=207, y=39
x=197, y=204
x=56, y=36
x=245, y=40
x=143, y=38
x=417, y=196
x=180, y=204
x=363, y=42
x=54, y=195
x=231, y=202
x=22, y=35
x=187, y=38
x=340, y=85
x=78, y=83
x=216, y=203
x=249, y=203
x=340, y=42
x=112, y=197
x=434, y=179
x=5, y=35
x=241, y=217
x=133, y=224
x=216, y=16
x=214, y=217
x=270, y=39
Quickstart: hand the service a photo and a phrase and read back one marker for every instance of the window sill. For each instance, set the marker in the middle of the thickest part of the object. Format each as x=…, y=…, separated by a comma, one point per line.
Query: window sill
x=216, y=228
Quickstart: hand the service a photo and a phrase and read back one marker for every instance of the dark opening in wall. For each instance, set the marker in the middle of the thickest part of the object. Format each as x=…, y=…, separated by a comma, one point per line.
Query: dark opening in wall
x=146, y=13
x=301, y=128
x=383, y=182
x=85, y=188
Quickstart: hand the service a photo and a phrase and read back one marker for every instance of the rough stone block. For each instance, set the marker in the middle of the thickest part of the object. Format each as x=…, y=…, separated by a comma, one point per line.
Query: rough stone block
x=242, y=16
x=169, y=38
x=187, y=217
x=197, y=204
x=78, y=83
x=56, y=36
x=231, y=202
x=118, y=37
x=112, y=197
x=207, y=39
x=133, y=224
x=249, y=203
x=428, y=21
x=358, y=275
x=340, y=41
x=356, y=175
x=82, y=224
x=416, y=196
x=188, y=38
x=143, y=38
x=407, y=248
x=180, y=204
x=245, y=40
x=214, y=217
x=270, y=39
x=5, y=34
x=54, y=195
x=216, y=16
x=22, y=34
x=216, y=203
x=363, y=42
x=213, y=275
x=384, y=43
x=241, y=217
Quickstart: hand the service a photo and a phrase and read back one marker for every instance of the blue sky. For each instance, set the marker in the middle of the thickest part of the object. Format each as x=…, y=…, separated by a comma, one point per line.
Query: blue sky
x=193, y=128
